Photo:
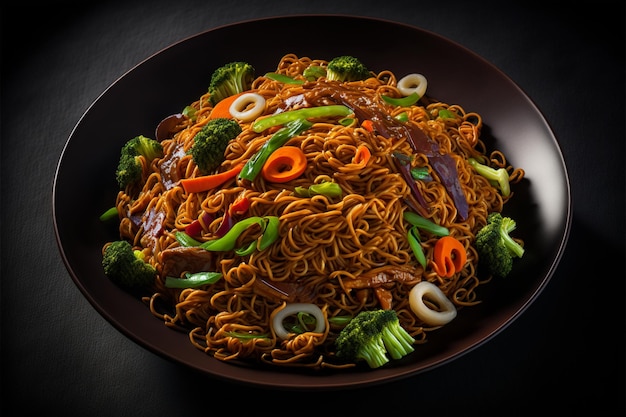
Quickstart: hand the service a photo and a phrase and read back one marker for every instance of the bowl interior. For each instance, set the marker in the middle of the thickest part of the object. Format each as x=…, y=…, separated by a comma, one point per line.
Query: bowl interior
x=166, y=82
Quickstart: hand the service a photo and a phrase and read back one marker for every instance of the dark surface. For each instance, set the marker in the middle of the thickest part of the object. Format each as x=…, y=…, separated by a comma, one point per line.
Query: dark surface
x=566, y=353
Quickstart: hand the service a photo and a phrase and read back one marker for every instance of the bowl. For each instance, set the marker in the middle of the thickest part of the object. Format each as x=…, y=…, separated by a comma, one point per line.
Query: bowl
x=84, y=184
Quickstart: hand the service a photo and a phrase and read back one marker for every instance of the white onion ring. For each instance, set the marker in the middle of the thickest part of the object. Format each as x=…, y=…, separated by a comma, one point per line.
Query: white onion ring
x=239, y=108
x=433, y=293
x=413, y=83
x=312, y=309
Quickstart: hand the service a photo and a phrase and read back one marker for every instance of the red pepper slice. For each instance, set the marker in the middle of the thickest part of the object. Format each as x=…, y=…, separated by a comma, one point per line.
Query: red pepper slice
x=239, y=206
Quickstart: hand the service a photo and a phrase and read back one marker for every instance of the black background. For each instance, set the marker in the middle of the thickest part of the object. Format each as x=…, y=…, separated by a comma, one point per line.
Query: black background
x=565, y=353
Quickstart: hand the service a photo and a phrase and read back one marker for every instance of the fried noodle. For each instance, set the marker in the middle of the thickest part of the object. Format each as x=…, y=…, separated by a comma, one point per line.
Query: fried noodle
x=343, y=254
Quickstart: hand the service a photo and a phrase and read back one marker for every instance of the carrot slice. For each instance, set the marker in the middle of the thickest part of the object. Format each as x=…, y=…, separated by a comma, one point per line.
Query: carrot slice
x=368, y=125
x=362, y=156
x=284, y=164
x=208, y=182
x=449, y=256
x=222, y=108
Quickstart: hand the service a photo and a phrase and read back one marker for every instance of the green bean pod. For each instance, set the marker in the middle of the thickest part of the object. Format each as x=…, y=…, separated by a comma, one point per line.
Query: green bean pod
x=283, y=78
x=270, y=234
x=415, y=243
x=425, y=224
x=228, y=241
x=193, y=280
x=253, y=166
x=306, y=113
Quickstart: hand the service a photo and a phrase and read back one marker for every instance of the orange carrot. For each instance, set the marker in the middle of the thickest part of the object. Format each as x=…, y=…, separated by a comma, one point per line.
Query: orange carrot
x=449, y=256
x=284, y=164
x=208, y=182
x=368, y=125
x=362, y=156
x=222, y=108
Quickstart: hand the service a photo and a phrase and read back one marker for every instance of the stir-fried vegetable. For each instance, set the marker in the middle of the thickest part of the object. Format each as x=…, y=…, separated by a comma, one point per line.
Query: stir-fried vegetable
x=306, y=113
x=294, y=308
x=208, y=182
x=449, y=256
x=269, y=230
x=401, y=102
x=253, y=167
x=283, y=78
x=413, y=84
x=247, y=107
x=415, y=241
x=444, y=310
x=326, y=188
x=195, y=280
x=284, y=164
x=497, y=176
x=362, y=156
x=425, y=224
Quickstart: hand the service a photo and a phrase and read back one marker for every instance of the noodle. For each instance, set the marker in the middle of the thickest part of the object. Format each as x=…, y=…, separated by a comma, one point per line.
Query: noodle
x=330, y=249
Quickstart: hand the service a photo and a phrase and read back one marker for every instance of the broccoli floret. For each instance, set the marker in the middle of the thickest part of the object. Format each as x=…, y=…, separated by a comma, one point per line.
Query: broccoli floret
x=129, y=167
x=211, y=142
x=346, y=68
x=126, y=266
x=371, y=335
x=229, y=79
x=498, y=177
x=496, y=248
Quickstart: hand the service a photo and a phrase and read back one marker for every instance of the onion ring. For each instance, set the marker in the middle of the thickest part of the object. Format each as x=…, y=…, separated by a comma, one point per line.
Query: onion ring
x=413, y=83
x=312, y=309
x=428, y=290
x=241, y=110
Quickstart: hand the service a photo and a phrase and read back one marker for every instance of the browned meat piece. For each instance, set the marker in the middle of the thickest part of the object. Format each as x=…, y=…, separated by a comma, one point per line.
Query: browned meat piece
x=176, y=261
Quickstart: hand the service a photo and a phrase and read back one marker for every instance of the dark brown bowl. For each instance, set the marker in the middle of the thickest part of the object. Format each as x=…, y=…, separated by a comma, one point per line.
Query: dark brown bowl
x=85, y=185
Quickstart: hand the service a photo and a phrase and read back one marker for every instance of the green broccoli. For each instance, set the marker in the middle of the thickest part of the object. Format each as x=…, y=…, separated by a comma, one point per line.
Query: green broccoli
x=371, y=335
x=346, y=68
x=126, y=266
x=211, y=142
x=229, y=79
x=498, y=177
x=496, y=248
x=129, y=167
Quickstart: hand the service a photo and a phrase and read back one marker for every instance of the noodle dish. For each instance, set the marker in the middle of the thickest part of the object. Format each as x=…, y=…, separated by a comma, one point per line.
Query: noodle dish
x=322, y=215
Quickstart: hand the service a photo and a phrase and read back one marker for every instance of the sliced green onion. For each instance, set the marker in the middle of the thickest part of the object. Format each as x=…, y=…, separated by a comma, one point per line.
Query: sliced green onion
x=403, y=117
x=247, y=336
x=402, y=102
x=425, y=224
x=421, y=173
x=413, y=236
x=327, y=188
x=347, y=121
x=340, y=320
